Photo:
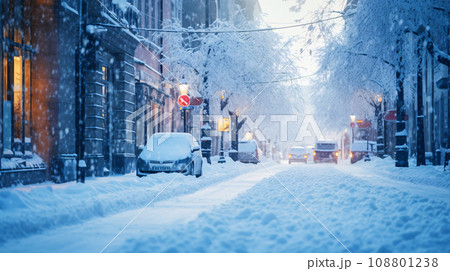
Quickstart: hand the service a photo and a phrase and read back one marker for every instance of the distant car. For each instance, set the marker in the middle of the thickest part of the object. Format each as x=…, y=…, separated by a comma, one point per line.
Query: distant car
x=298, y=154
x=170, y=152
x=326, y=151
x=361, y=149
x=248, y=151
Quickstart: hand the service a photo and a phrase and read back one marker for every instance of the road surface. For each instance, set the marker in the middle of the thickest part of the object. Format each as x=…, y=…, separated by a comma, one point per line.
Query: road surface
x=271, y=208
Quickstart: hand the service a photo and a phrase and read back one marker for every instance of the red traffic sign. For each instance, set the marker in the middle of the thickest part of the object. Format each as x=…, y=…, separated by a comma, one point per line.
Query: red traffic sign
x=363, y=124
x=391, y=115
x=196, y=101
x=184, y=100
x=352, y=124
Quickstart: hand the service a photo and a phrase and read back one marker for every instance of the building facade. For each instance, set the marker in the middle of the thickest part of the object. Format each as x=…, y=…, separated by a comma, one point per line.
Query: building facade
x=74, y=76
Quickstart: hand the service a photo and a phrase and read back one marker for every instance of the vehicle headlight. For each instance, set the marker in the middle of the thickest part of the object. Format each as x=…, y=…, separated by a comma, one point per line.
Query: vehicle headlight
x=140, y=163
x=183, y=162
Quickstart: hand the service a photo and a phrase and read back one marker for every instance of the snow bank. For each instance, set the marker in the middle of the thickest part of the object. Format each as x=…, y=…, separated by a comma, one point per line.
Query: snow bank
x=427, y=175
x=30, y=209
x=364, y=214
x=364, y=146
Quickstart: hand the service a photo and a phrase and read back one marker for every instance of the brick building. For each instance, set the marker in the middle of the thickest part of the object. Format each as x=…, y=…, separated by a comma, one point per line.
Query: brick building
x=73, y=75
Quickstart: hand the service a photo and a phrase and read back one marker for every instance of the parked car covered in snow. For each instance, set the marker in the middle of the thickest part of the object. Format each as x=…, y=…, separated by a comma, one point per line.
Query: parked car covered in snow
x=362, y=148
x=326, y=151
x=170, y=152
x=248, y=151
x=298, y=154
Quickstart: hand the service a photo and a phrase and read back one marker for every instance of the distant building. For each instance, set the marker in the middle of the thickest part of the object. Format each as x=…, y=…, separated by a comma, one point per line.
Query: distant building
x=194, y=12
x=159, y=111
x=199, y=14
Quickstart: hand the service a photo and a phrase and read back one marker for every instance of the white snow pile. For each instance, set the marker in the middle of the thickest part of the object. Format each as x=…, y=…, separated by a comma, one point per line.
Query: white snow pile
x=429, y=175
x=366, y=214
x=163, y=147
x=31, y=209
x=364, y=146
x=122, y=4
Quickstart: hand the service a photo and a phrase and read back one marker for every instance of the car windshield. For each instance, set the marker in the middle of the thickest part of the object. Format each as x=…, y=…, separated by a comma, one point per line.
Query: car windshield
x=298, y=150
x=247, y=146
x=169, y=146
x=325, y=146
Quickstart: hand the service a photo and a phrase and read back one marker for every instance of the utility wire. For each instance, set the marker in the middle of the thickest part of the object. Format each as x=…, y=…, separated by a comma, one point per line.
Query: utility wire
x=223, y=31
x=283, y=80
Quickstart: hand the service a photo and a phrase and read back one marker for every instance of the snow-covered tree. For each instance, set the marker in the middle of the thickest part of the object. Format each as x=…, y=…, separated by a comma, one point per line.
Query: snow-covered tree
x=243, y=64
x=362, y=58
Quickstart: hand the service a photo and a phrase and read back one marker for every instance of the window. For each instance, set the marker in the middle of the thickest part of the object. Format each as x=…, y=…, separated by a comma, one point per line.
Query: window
x=16, y=87
x=146, y=18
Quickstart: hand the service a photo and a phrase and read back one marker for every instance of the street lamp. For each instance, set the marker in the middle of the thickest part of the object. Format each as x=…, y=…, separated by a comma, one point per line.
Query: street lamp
x=379, y=115
x=183, y=88
x=379, y=99
x=223, y=103
x=353, y=120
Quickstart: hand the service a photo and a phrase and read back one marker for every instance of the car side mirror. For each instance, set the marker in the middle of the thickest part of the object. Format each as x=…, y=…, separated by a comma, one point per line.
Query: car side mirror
x=196, y=148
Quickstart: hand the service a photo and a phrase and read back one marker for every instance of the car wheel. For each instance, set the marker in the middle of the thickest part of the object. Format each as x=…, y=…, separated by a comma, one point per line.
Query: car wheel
x=201, y=170
x=189, y=169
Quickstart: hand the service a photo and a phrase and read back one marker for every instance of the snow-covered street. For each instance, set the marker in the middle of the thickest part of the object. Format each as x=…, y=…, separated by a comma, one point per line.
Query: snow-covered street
x=268, y=207
x=225, y=134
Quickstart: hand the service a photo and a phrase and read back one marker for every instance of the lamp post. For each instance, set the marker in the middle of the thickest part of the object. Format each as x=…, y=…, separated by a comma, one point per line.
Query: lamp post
x=183, y=88
x=223, y=103
x=80, y=94
x=236, y=125
x=233, y=153
x=401, y=144
x=353, y=120
x=379, y=115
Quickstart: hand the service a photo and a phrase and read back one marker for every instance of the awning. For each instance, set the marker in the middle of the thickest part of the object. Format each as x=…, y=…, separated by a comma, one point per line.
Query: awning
x=442, y=83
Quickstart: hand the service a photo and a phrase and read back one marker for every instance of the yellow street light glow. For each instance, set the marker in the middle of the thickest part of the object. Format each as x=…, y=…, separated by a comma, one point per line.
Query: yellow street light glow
x=183, y=88
x=379, y=98
x=223, y=125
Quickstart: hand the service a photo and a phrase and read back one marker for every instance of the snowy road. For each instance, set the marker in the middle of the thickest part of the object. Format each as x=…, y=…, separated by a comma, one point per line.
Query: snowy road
x=273, y=208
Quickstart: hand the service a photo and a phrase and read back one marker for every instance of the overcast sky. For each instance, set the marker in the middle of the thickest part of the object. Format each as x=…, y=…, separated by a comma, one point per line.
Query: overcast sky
x=276, y=13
